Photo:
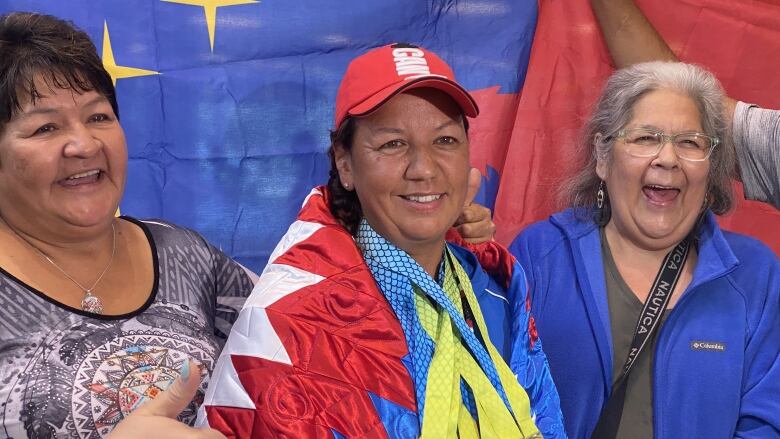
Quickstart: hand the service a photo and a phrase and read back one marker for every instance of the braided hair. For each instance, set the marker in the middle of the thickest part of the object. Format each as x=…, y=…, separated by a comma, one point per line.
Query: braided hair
x=344, y=204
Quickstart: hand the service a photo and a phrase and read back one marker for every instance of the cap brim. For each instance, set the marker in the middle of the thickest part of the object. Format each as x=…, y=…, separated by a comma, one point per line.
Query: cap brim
x=455, y=91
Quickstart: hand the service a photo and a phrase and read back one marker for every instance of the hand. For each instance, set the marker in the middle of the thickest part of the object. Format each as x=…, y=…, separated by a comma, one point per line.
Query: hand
x=157, y=418
x=474, y=223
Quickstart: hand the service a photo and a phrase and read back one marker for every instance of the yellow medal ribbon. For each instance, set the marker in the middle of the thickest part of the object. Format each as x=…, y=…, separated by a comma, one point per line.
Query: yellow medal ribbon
x=445, y=415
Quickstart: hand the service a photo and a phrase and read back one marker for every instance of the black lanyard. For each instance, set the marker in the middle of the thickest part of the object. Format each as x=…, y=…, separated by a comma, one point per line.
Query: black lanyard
x=649, y=320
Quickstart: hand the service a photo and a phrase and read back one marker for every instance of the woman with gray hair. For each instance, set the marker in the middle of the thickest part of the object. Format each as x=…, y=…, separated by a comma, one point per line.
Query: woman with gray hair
x=656, y=322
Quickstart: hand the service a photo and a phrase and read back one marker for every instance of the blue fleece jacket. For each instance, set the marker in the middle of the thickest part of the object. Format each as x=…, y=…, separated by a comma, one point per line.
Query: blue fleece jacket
x=716, y=372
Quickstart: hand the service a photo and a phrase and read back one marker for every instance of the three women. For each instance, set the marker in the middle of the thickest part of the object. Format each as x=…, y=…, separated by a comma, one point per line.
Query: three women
x=400, y=155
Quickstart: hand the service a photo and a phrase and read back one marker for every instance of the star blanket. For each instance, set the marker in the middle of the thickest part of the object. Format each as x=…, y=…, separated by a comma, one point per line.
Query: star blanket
x=318, y=352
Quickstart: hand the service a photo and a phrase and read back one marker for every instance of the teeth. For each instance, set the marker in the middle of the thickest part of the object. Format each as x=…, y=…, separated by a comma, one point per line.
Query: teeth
x=84, y=174
x=655, y=186
x=423, y=198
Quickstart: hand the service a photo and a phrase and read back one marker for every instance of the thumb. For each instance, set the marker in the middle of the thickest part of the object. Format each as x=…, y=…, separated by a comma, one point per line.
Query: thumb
x=475, y=181
x=172, y=401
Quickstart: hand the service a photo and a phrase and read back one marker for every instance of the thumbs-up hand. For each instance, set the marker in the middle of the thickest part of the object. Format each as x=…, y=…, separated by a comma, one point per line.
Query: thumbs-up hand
x=157, y=418
x=474, y=223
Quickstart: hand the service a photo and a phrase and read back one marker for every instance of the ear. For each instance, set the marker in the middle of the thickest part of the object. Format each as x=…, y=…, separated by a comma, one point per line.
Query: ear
x=602, y=165
x=343, y=160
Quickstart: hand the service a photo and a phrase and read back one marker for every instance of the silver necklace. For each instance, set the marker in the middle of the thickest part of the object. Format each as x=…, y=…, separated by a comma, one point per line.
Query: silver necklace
x=90, y=302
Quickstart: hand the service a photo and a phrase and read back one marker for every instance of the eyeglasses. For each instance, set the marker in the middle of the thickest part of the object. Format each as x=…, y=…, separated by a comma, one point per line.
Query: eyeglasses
x=690, y=146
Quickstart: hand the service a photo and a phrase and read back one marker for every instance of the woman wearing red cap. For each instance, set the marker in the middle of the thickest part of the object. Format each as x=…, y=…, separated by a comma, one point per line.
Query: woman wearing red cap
x=366, y=323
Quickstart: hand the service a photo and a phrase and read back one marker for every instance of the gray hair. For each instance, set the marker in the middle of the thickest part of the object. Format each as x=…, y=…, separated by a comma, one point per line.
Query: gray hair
x=614, y=109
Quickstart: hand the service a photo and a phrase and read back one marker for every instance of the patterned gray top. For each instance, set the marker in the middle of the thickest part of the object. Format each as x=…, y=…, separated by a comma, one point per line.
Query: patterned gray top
x=67, y=373
x=757, y=140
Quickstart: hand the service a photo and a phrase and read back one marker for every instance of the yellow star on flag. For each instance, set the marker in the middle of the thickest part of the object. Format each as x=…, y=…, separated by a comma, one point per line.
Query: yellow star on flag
x=118, y=72
x=210, y=8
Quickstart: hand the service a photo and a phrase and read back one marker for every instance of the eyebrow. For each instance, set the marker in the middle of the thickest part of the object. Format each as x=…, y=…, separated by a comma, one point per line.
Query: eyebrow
x=388, y=130
x=650, y=127
x=658, y=130
x=50, y=110
x=447, y=124
x=399, y=131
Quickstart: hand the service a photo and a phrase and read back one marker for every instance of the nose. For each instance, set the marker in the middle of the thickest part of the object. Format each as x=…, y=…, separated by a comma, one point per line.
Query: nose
x=81, y=142
x=667, y=156
x=422, y=163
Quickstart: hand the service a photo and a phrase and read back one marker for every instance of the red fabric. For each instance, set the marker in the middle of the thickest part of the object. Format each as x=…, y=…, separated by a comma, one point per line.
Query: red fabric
x=532, y=330
x=380, y=73
x=494, y=258
x=739, y=42
x=295, y=403
x=343, y=341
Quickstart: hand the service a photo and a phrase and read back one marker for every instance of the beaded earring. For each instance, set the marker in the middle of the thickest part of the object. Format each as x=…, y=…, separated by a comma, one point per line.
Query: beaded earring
x=600, y=196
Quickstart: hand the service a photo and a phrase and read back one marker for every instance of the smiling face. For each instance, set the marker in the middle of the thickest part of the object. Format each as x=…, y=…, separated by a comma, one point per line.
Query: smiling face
x=409, y=164
x=63, y=162
x=656, y=201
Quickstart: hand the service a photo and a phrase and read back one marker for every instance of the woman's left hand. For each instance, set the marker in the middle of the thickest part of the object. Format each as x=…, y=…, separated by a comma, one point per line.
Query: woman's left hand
x=475, y=224
x=157, y=418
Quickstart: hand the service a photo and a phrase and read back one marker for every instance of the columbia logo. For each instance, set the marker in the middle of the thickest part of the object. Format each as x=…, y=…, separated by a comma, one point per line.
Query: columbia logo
x=708, y=346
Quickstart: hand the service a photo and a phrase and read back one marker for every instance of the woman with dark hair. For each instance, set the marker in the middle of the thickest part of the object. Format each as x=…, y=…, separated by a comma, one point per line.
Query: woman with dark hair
x=98, y=314
x=366, y=323
x=656, y=322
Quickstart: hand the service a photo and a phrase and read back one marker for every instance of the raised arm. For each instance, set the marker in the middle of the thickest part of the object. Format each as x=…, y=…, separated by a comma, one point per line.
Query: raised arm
x=632, y=39
x=629, y=35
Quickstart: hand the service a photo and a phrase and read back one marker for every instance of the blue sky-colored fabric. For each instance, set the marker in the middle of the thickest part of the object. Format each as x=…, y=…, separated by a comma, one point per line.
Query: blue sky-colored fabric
x=229, y=141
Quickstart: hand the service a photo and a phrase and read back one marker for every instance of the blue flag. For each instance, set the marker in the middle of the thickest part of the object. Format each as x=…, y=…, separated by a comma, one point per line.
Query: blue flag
x=227, y=104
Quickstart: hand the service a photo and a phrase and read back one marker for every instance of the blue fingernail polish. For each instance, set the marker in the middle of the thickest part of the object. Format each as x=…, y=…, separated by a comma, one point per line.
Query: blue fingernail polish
x=184, y=372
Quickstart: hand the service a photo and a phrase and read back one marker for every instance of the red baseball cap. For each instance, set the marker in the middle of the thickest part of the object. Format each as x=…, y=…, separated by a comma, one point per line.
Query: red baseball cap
x=379, y=74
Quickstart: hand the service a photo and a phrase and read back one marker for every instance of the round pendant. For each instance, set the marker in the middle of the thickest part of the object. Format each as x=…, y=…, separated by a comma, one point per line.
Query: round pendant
x=92, y=304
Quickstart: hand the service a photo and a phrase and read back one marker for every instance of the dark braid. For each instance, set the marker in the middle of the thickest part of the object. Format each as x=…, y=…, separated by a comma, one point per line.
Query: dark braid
x=344, y=204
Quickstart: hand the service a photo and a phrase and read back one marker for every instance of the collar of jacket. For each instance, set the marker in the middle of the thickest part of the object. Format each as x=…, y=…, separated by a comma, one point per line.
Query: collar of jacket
x=715, y=259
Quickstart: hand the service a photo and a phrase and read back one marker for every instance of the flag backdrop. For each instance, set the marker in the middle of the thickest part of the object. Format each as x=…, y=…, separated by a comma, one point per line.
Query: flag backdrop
x=738, y=40
x=227, y=103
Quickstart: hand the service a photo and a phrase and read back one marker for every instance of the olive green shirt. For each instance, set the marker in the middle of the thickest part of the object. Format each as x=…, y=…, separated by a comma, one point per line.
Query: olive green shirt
x=624, y=310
